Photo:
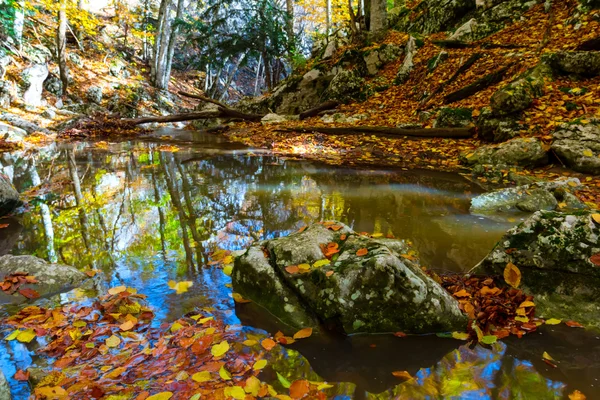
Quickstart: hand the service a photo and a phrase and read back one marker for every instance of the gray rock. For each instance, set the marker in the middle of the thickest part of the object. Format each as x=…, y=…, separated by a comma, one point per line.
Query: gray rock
x=345, y=86
x=554, y=252
x=273, y=118
x=453, y=118
x=518, y=95
x=377, y=58
x=343, y=119
x=408, y=64
x=75, y=59
x=53, y=278
x=33, y=80
x=6, y=94
x=524, y=152
x=9, y=197
x=585, y=63
x=4, y=388
x=379, y=292
x=48, y=113
x=14, y=134
x=578, y=146
x=466, y=33
x=530, y=198
x=94, y=94
x=497, y=129
x=437, y=15
x=53, y=84
x=19, y=122
x=118, y=69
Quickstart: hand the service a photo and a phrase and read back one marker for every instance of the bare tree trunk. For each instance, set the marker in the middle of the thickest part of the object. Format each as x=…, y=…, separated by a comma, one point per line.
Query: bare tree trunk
x=161, y=42
x=171, y=52
x=61, y=45
x=378, y=16
x=231, y=76
x=79, y=198
x=328, y=17
x=289, y=26
x=46, y=217
x=258, y=73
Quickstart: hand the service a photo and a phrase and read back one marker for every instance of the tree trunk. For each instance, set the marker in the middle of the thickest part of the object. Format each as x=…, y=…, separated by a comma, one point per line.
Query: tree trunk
x=378, y=16
x=161, y=43
x=19, y=23
x=232, y=75
x=289, y=26
x=455, y=133
x=171, y=52
x=328, y=17
x=61, y=46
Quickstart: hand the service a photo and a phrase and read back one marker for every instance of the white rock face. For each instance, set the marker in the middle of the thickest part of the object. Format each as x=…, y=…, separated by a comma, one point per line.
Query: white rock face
x=34, y=78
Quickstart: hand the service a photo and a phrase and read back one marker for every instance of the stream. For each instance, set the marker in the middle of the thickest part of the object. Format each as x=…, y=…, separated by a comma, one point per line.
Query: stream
x=151, y=210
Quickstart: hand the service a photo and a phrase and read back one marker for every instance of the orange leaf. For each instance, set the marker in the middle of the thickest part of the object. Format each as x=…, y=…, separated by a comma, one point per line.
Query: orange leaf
x=328, y=273
x=303, y=333
x=362, y=252
x=402, y=375
x=462, y=293
x=335, y=227
x=299, y=389
x=127, y=325
x=512, y=275
x=573, y=324
x=29, y=293
x=302, y=229
x=577, y=395
x=343, y=237
x=21, y=375
x=595, y=259
x=268, y=344
x=292, y=269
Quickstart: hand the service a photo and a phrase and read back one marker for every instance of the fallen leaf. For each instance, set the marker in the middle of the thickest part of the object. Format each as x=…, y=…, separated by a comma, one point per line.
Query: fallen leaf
x=260, y=364
x=595, y=259
x=512, y=275
x=489, y=339
x=553, y=321
x=292, y=269
x=573, y=324
x=161, y=396
x=21, y=376
x=284, y=382
x=362, y=252
x=239, y=299
x=328, y=273
x=268, y=344
x=321, y=263
x=224, y=374
x=29, y=293
x=460, y=335
x=402, y=375
x=596, y=218
x=303, y=333
x=180, y=287
x=462, y=293
x=127, y=325
x=577, y=395
x=235, y=392
x=117, y=290
x=218, y=350
x=547, y=356
x=299, y=389
x=203, y=376
x=113, y=341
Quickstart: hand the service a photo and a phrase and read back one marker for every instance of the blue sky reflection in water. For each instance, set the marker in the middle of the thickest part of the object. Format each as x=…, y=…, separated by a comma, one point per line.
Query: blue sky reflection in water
x=145, y=215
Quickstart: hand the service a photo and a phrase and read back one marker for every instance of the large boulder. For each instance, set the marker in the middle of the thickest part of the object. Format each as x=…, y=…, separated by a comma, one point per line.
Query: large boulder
x=558, y=255
x=346, y=85
x=9, y=197
x=453, y=118
x=53, y=278
x=519, y=95
x=585, y=63
x=466, y=32
x=33, y=80
x=437, y=15
x=577, y=144
x=523, y=152
x=408, y=64
x=377, y=58
x=530, y=198
x=492, y=128
x=94, y=94
x=380, y=291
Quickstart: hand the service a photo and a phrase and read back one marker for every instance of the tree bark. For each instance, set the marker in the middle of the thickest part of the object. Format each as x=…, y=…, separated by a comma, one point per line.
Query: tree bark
x=61, y=46
x=171, y=51
x=378, y=16
x=222, y=112
x=328, y=17
x=477, y=86
x=289, y=26
x=455, y=133
x=161, y=43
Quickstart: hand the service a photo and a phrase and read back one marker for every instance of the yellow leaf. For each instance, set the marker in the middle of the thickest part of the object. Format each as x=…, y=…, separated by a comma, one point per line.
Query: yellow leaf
x=236, y=392
x=26, y=336
x=588, y=153
x=527, y=304
x=321, y=263
x=303, y=333
x=180, y=287
x=402, y=375
x=460, y=335
x=228, y=269
x=228, y=260
x=522, y=319
x=13, y=335
x=161, y=396
x=224, y=374
x=117, y=290
x=218, y=350
x=512, y=275
x=596, y=218
x=238, y=298
x=324, y=386
x=252, y=386
x=203, y=376
x=176, y=326
x=249, y=342
x=113, y=341
x=577, y=395
x=553, y=321
x=127, y=325
x=304, y=267
x=260, y=364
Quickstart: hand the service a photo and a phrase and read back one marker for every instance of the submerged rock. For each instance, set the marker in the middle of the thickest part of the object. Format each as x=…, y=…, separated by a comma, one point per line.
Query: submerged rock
x=524, y=152
x=558, y=255
x=530, y=198
x=4, y=388
x=381, y=291
x=9, y=197
x=53, y=278
x=578, y=145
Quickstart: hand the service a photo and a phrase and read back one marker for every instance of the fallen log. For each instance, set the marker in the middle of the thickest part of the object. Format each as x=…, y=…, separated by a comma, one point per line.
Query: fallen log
x=453, y=133
x=172, y=118
x=313, y=112
x=590, y=45
x=477, y=86
x=203, y=98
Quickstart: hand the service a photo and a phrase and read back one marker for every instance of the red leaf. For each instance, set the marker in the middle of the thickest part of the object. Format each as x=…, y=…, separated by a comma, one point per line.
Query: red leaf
x=29, y=293
x=21, y=375
x=573, y=324
x=595, y=259
x=362, y=252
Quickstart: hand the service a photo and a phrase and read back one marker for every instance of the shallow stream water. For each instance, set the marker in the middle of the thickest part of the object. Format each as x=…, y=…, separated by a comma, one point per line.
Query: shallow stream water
x=148, y=211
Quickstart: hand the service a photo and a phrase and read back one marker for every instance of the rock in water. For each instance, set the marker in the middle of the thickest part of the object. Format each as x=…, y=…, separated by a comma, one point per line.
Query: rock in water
x=578, y=145
x=4, y=388
x=380, y=291
x=558, y=255
x=34, y=78
x=53, y=278
x=9, y=197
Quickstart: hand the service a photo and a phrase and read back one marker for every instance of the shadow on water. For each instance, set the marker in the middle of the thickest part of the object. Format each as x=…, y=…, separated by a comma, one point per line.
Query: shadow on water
x=144, y=214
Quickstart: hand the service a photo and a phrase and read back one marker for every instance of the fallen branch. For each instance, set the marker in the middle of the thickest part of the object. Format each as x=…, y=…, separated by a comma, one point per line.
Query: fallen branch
x=477, y=86
x=172, y=118
x=455, y=133
x=590, y=45
x=203, y=98
x=313, y=112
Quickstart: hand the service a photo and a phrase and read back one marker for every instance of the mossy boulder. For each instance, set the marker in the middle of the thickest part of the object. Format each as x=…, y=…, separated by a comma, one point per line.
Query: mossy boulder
x=584, y=63
x=530, y=198
x=557, y=255
x=347, y=85
x=519, y=95
x=523, y=152
x=453, y=118
x=9, y=197
x=578, y=145
x=496, y=129
x=384, y=290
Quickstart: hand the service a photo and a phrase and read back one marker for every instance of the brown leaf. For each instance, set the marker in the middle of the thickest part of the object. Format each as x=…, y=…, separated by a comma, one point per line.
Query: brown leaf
x=299, y=389
x=362, y=252
x=512, y=275
x=29, y=293
x=303, y=333
x=402, y=375
x=335, y=227
x=2, y=226
x=573, y=324
x=21, y=376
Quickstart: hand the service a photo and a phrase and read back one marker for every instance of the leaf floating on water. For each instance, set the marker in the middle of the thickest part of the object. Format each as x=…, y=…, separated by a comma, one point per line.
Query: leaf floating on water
x=203, y=376
x=489, y=339
x=402, y=375
x=113, y=341
x=224, y=374
x=461, y=335
x=260, y=364
x=303, y=333
x=512, y=275
x=161, y=396
x=577, y=395
x=117, y=290
x=324, y=386
x=238, y=298
x=299, y=389
x=547, y=356
x=284, y=382
x=268, y=344
x=218, y=350
x=573, y=324
x=553, y=321
x=180, y=287
x=362, y=252
x=21, y=376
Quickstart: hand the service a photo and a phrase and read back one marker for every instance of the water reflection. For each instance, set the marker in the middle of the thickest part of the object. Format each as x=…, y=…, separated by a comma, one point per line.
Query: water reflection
x=145, y=214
